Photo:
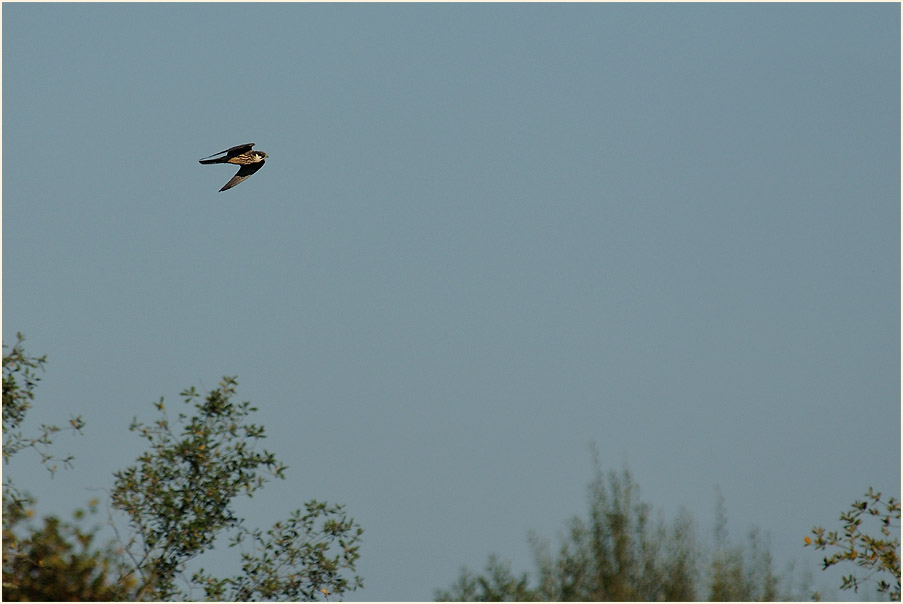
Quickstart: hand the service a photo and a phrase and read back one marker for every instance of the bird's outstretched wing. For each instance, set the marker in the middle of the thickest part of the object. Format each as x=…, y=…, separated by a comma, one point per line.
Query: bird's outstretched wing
x=230, y=152
x=243, y=172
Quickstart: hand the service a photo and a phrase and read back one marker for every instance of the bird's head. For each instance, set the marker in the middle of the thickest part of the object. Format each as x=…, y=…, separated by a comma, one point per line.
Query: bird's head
x=260, y=155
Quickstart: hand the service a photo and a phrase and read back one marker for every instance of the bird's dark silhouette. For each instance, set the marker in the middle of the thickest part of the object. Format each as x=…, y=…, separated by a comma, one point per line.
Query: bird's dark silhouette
x=241, y=155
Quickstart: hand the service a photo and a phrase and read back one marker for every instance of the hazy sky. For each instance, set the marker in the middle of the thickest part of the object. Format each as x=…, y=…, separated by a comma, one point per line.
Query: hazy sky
x=486, y=237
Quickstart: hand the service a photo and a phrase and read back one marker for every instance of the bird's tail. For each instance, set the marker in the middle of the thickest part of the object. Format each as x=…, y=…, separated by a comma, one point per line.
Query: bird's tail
x=219, y=160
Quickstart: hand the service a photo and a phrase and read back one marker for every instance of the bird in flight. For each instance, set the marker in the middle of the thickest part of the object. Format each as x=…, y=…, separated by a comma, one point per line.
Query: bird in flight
x=241, y=155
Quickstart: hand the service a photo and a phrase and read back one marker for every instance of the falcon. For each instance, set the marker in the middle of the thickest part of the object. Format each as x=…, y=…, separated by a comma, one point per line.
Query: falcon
x=241, y=155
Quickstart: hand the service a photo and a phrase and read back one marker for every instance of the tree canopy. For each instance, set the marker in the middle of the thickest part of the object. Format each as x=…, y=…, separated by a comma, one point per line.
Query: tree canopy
x=178, y=498
x=624, y=551
x=877, y=555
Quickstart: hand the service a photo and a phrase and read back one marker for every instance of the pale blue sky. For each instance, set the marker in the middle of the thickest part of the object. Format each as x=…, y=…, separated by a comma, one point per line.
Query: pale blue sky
x=486, y=236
